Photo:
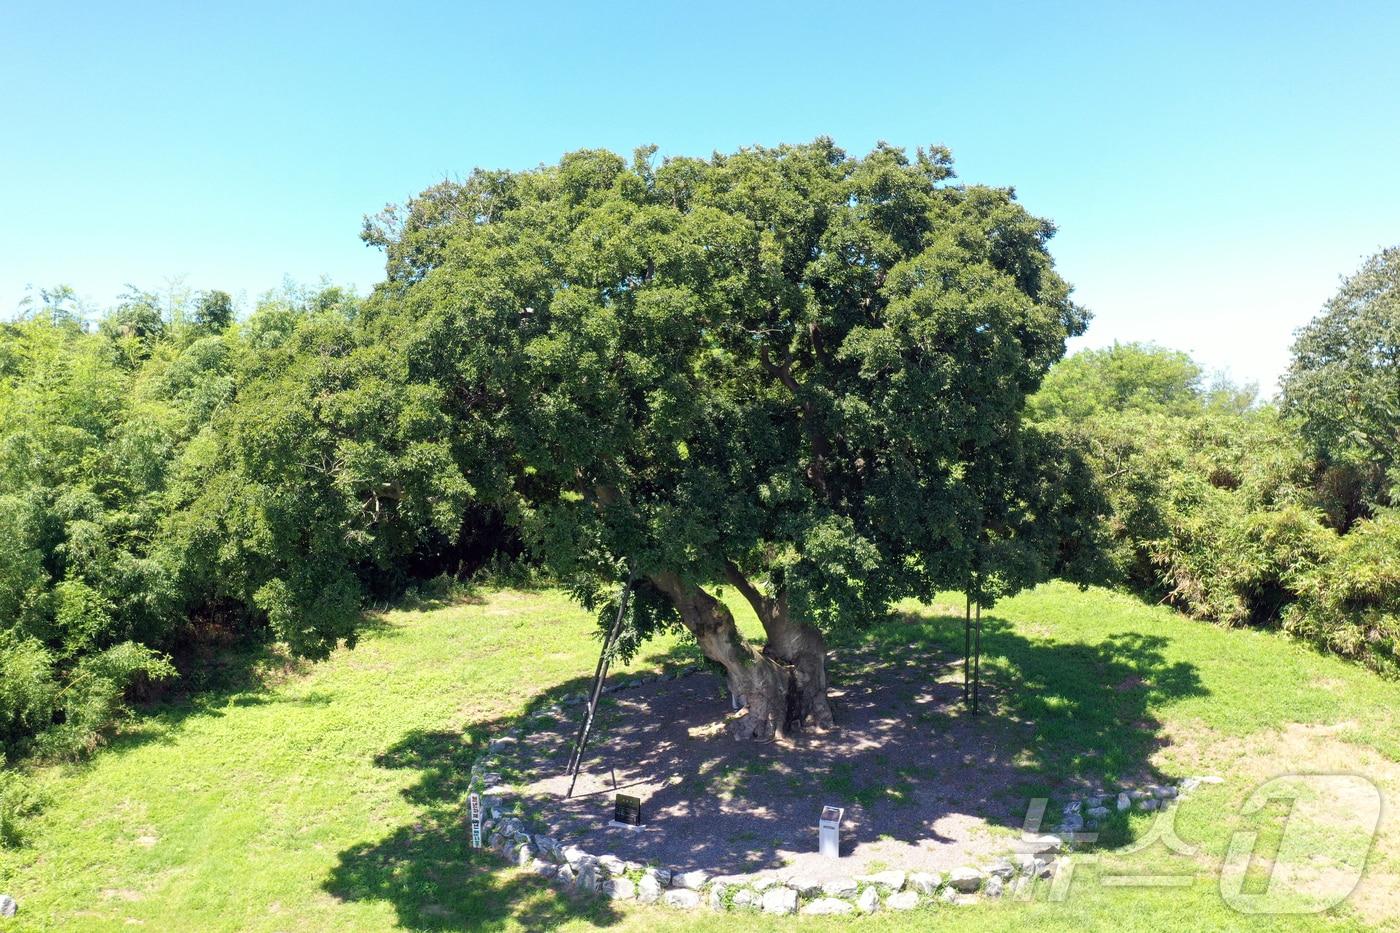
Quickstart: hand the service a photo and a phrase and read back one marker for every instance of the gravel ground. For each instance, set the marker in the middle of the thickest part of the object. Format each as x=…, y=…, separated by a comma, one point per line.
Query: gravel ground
x=924, y=785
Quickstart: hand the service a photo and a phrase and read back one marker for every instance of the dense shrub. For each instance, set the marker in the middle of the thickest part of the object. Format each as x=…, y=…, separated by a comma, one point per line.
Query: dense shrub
x=1350, y=603
x=1232, y=512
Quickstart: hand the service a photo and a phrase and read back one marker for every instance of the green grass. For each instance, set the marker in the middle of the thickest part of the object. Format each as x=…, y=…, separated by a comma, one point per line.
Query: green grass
x=331, y=799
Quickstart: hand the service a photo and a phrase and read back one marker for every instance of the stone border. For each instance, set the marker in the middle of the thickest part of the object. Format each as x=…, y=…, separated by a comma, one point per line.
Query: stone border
x=1042, y=857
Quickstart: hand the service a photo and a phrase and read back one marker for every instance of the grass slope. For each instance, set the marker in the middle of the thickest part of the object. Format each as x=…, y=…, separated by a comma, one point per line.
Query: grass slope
x=332, y=799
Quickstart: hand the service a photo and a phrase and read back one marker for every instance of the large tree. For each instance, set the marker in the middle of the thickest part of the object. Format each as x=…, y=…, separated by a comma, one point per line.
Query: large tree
x=786, y=370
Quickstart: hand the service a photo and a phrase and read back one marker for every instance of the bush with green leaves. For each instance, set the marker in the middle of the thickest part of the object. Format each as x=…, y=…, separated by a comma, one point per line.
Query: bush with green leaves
x=1350, y=603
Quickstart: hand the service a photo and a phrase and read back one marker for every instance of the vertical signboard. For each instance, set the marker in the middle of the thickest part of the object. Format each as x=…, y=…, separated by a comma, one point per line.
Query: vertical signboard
x=475, y=800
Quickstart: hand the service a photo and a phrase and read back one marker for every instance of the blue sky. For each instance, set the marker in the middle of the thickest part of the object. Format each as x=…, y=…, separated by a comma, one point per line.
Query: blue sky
x=1213, y=168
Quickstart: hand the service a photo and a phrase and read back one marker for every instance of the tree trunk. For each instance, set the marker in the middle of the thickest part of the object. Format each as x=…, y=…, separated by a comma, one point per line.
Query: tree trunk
x=795, y=644
x=764, y=683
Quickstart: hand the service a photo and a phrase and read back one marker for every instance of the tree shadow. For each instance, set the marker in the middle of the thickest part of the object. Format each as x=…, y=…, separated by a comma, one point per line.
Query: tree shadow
x=1056, y=718
x=910, y=764
x=428, y=870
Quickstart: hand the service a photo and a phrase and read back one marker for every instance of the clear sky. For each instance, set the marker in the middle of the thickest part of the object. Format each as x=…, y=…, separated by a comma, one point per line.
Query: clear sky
x=1213, y=167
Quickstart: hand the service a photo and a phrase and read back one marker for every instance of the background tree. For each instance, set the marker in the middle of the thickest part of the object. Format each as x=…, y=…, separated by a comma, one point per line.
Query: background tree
x=1123, y=377
x=1344, y=381
x=775, y=369
x=213, y=312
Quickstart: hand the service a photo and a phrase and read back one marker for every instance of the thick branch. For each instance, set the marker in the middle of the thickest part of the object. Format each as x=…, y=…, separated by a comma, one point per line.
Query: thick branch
x=821, y=446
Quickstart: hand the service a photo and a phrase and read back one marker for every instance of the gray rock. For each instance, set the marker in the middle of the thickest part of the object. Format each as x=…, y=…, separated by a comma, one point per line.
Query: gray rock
x=1002, y=868
x=807, y=887
x=717, y=896
x=1149, y=804
x=763, y=884
x=663, y=875
x=524, y=853
x=746, y=898
x=566, y=874
x=1124, y=802
x=587, y=875
x=839, y=886
x=892, y=880
x=1073, y=806
x=904, y=900
x=681, y=899
x=965, y=879
x=648, y=889
x=8, y=906
x=1044, y=845
x=1164, y=792
x=868, y=901
x=1072, y=823
x=780, y=901
x=573, y=855
x=949, y=895
x=828, y=905
x=620, y=889
x=925, y=882
x=1099, y=813
x=994, y=886
x=690, y=880
x=612, y=864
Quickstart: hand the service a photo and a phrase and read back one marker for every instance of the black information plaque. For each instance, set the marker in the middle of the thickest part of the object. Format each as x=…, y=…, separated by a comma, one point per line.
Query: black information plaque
x=628, y=810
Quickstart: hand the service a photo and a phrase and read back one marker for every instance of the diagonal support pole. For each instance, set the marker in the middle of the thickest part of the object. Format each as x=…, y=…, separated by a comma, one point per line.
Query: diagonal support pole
x=599, y=675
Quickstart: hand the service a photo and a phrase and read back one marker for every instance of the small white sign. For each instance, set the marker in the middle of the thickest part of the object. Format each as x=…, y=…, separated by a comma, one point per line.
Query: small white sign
x=475, y=800
x=829, y=832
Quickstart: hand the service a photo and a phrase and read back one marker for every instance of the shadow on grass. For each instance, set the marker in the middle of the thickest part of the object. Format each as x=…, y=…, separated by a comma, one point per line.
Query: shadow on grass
x=1057, y=717
x=428, y=871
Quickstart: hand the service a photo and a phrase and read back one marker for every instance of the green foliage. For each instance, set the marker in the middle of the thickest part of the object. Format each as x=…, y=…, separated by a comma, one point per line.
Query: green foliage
x=1125, y=377
x=788, y=362
x=1344, y=382
x=170, y=464
x=1210, y=499
x=1230, y=510
x=18, y=801
x=327, y=475
x=1351, y=603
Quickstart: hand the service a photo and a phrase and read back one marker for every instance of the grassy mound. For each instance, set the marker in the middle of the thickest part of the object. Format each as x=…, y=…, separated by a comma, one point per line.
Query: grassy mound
x=330, y=797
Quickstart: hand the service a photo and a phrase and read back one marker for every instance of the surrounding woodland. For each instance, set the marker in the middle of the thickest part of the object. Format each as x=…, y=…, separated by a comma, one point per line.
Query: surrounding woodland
x=830, y=383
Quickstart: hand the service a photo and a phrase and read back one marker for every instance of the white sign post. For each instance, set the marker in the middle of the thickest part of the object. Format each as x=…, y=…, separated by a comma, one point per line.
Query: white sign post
x=829, y=832
x=475, y=800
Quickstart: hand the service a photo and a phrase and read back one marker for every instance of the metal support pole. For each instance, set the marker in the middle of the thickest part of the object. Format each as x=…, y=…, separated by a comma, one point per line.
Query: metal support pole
x=977, y=661
x=599, y=675
x=967, y=643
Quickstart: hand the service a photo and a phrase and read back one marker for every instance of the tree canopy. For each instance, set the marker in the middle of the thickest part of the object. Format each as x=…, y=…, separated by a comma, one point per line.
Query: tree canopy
x=1344, y=381
x=787, y=369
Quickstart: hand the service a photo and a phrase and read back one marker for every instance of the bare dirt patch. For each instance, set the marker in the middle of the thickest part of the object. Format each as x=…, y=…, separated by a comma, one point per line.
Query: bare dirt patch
x=924, y=784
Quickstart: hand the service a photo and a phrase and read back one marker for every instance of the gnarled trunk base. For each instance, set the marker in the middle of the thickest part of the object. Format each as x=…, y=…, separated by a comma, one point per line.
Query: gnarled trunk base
x=783, y=685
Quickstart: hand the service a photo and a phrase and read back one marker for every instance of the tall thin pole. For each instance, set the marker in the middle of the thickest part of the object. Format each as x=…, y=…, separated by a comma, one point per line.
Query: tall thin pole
x=967, y=639
x=977, y=657
x=599, y=675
